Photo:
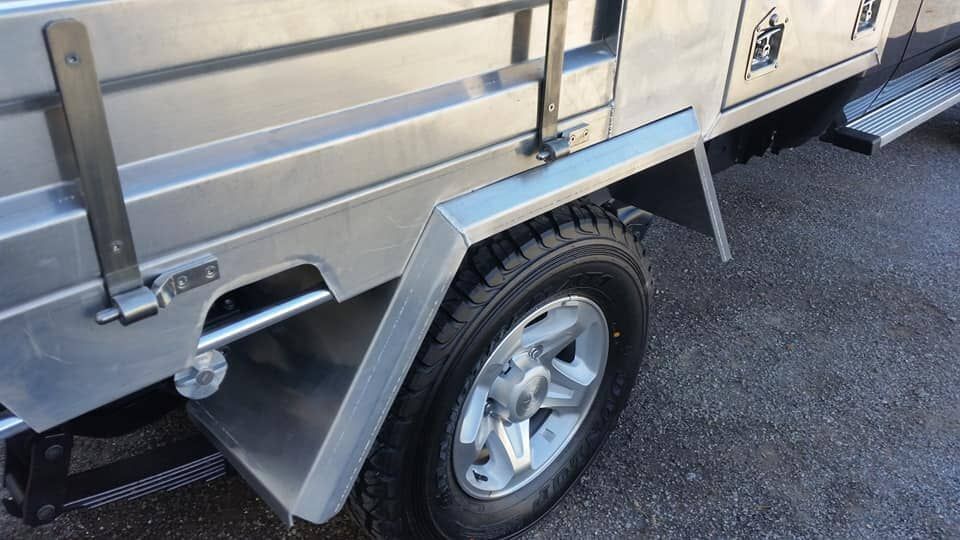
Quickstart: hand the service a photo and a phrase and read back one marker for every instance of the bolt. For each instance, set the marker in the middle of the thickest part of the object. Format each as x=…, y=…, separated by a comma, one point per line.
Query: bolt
x=182, y=282
x=205, y=377
x=210, y=272
x=774, y=19
x=72, y=58
x=536, y=352
x=552, y=107
x=229, y=304
x=53, y=453
x=46, y=512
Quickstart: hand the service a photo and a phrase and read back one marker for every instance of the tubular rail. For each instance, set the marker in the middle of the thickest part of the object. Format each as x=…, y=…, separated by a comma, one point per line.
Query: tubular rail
x=11, y=425
x=262, y=319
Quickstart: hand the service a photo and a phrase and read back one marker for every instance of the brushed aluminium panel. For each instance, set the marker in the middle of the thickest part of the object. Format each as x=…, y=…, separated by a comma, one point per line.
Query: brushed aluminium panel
x=137, y=37
x=739, y=115
x=57, y=358
x=817, y=37
x=220, y=190
x=673, y=55
x=151, y=116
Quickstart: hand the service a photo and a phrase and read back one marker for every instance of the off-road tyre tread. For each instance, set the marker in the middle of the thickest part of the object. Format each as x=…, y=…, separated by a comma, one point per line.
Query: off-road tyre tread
x=374, y=502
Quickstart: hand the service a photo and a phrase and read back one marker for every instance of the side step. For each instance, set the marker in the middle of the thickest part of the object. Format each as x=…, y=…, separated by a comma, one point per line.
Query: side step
x=907, y=110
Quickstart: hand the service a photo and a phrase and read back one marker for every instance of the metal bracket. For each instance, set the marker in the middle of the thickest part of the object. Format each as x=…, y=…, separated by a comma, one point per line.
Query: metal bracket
x=551, y=142
x=71, y=58
x=143, y=302
x=564, y=143
x=74, y=70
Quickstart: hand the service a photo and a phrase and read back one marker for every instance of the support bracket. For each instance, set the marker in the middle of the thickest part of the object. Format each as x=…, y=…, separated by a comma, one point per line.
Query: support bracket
x=74, y=69
x=552, y=143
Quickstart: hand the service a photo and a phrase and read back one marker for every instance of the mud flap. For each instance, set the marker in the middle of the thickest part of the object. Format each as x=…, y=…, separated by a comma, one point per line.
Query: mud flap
x=680, y=190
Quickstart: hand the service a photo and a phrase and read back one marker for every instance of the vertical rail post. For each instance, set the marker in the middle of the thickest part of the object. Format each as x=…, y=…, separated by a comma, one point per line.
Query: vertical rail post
x=74, y=70
x=547, y=129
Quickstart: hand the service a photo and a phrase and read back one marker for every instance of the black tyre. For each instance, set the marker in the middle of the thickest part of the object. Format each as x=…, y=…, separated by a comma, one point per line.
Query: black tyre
x=451, y=459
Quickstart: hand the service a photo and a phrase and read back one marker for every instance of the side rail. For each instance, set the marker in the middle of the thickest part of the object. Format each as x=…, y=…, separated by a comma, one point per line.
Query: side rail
x=263, y=405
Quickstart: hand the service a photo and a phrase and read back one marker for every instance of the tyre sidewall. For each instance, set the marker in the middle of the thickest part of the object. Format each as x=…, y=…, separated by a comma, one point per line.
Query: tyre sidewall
x=603, y=270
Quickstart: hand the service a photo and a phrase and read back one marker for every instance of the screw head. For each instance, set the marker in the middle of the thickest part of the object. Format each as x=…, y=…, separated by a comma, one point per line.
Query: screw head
x=72, y=58
x=210, y=272
x=116, y=247
x=205, y=377
x=552, y=107
x=53, y=452
x=46, y=512
x=182, y=282
x=229, y=304
x=774, y=19
x=536, y=352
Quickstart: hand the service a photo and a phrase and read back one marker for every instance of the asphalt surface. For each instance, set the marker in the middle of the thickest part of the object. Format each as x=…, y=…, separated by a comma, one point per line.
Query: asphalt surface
x=807, y=388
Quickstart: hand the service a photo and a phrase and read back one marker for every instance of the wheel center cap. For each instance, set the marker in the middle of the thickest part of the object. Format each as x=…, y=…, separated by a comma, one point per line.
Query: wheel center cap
x=531, y=396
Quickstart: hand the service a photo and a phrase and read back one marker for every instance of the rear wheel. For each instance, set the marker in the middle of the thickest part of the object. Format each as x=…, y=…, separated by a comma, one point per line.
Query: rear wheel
x=522, y=376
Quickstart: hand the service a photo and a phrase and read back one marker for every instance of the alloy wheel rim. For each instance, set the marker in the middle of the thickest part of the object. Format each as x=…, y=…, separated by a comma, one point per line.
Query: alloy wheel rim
x=530, y=397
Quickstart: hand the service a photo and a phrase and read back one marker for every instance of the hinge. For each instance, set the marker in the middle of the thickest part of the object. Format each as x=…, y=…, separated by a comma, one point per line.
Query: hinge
x=74, y=70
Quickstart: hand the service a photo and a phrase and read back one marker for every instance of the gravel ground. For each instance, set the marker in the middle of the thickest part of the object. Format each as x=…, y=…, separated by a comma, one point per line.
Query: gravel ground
x=808, y=388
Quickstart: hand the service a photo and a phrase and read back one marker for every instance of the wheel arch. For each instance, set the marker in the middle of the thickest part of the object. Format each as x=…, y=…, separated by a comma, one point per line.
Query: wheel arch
x=315, y=486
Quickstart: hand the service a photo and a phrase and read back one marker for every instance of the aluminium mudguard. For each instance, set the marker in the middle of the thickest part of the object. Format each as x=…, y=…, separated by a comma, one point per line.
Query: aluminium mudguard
x=298, y=482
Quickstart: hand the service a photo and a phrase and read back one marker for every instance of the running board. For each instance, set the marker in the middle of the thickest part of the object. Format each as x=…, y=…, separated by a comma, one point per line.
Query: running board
x=882, y=126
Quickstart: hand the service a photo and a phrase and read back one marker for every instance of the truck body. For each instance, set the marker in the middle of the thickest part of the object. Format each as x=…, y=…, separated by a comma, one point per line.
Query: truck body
x=289, y=188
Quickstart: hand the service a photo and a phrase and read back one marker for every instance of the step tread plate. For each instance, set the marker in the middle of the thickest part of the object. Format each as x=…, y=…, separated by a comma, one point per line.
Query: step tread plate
x=902, y=85
x=911, y=109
